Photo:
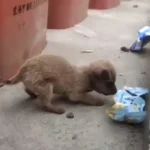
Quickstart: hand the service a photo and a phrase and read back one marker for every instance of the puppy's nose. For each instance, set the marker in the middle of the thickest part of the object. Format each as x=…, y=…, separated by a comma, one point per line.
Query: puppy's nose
x=115, y=90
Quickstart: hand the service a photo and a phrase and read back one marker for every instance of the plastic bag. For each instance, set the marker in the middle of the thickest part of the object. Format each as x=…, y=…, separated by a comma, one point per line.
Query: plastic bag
x=129, y=105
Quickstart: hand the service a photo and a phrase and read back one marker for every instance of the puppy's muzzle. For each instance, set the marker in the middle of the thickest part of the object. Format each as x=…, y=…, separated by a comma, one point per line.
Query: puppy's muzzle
x=112, y=92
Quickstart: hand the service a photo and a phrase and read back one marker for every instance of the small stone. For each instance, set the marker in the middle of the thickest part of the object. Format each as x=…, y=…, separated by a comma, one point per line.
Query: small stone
x=143, y=72
x=131, y=144
x=135, y=6
x=125, y=49
x=70, y=115
x=74, y=137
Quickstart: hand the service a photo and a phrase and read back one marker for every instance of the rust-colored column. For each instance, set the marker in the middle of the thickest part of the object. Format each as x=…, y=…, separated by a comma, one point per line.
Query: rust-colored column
x=103, y=4
x=66, y=13
x=23, y=25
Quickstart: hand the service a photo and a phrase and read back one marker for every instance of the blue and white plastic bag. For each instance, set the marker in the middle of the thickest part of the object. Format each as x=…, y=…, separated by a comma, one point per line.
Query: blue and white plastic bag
x=129, y=105
x=142, y=40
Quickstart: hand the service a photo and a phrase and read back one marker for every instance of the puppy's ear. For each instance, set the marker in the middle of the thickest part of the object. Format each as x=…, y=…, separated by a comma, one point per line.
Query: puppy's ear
x=102, y=75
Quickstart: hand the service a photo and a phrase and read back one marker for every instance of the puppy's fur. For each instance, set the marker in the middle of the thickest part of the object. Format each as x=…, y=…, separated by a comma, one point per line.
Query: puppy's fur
x=46, y=75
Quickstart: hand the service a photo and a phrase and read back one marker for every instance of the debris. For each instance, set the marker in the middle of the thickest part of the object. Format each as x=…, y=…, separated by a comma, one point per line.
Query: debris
x=125, y=49
x=129, y=105
x=84, y=31
x=135, y=6
x=87, y=51
x=74, y=137
x=143, y=72
x=70, y=115
x=98, y=125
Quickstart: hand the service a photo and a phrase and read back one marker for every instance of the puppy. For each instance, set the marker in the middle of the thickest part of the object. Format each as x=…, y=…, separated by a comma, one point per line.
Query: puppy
x=46, y=75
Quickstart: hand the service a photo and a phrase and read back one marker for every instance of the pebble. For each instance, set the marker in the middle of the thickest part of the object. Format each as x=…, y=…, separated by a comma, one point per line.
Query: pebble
x=143, y=72
x=125, y=49
x=74, y=137
x=135, y=6
x=70, y=115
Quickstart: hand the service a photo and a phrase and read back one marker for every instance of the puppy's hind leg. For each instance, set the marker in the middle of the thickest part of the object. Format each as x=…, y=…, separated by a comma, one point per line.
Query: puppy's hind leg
x=45, y=95
x=31, y=94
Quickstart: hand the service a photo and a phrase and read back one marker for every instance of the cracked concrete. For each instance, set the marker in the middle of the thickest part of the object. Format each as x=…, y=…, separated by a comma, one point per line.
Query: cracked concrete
x=24, y=127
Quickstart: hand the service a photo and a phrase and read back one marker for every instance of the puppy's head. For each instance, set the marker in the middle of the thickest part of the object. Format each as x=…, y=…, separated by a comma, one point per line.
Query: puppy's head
x=103, y=77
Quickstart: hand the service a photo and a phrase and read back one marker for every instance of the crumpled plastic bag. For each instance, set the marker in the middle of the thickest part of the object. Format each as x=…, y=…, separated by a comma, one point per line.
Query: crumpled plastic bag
x=129, y=105
x=142, y=40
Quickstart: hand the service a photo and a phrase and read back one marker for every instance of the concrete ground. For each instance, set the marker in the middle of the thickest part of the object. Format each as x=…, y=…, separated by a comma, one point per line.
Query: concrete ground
x=24, y=127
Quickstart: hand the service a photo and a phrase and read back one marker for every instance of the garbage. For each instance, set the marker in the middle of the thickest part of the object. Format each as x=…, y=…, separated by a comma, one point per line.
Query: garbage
x=87, y=51
x=129, y=105
x=142, y=40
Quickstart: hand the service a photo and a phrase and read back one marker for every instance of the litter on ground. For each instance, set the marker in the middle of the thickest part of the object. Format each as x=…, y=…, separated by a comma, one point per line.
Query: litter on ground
x=129, y=105
x=87, y=51
x=142, y=40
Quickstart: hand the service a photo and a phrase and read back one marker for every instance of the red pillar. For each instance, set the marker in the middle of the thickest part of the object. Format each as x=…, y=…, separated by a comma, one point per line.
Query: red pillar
x=66, y=13
x=103, y=4
x=23, y=27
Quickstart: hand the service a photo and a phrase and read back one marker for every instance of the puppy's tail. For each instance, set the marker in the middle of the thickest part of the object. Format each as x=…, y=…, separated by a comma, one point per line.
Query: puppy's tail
x=15, y=79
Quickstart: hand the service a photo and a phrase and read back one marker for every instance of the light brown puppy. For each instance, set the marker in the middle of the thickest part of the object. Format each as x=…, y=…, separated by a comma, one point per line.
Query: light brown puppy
x=46, y=75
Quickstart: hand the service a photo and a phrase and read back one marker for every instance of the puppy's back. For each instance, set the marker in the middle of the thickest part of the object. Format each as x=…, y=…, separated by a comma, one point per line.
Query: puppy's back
x=49, y=67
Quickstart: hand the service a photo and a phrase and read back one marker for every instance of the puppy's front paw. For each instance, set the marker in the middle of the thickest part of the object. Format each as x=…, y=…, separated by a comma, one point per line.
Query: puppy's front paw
x=54, y=109
x=61, y=111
